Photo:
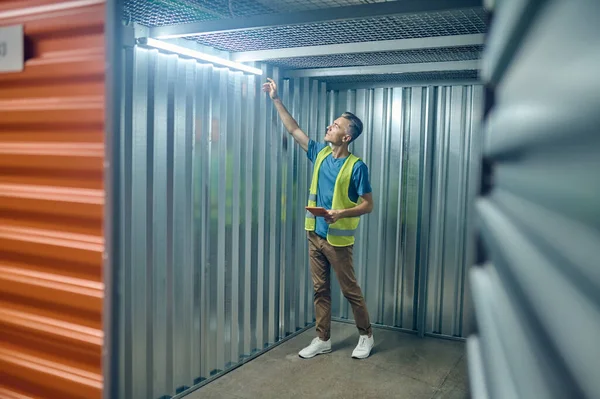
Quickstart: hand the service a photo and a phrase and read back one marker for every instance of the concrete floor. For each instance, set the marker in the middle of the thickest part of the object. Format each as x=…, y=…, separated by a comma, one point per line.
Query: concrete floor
x=400, y=366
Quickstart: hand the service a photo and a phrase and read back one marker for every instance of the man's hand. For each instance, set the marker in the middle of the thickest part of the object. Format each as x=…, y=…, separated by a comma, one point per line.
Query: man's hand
x=271, y=88
x=365, y=206
x=288, y=121
x=334, y=216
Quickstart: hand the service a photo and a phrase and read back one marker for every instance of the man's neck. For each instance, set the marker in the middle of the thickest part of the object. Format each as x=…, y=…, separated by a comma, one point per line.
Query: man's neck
x=340, y=151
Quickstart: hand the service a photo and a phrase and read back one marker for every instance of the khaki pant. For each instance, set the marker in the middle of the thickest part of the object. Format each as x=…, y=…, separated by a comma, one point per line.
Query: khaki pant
x=322, y=255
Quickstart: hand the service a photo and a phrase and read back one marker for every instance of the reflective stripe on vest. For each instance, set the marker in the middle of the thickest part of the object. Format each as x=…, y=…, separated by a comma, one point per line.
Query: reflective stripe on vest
x=340, y=233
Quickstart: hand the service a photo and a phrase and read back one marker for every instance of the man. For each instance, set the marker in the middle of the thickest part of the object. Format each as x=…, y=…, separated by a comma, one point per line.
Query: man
x=339, y=180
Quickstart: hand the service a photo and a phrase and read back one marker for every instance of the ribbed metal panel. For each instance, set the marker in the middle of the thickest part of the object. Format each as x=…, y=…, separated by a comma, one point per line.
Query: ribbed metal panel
x=386, y=248
x=537, y=287
x=456, y=174
x=51, y=203
x=214, y=249
x=415, y=141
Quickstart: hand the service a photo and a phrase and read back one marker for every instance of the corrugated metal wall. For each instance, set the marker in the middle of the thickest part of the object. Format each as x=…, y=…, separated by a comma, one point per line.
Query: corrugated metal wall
x=386, y=251
x=51, y=202
x=456, y=176
x=215, y=257
x=413, y=249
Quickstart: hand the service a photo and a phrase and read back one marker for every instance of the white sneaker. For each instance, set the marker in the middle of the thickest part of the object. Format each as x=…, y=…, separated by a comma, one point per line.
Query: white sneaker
x=315, y=348
x=363, y=349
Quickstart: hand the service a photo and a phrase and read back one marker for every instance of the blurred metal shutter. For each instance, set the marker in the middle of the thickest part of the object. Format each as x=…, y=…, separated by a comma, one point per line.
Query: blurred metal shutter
x=52, y=201
x=537, y=286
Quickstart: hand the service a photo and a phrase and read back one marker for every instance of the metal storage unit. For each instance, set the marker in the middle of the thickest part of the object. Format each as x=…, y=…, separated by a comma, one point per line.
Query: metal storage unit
x=536, y=287
x=52, y=202
x=195, y=137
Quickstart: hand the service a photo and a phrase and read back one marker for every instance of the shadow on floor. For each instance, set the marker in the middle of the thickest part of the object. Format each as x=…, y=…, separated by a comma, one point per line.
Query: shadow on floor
x=349, y=342
x=400, y=366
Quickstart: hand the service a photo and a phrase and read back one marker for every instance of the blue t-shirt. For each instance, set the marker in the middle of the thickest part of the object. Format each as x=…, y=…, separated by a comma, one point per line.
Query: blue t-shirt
x=330, y=168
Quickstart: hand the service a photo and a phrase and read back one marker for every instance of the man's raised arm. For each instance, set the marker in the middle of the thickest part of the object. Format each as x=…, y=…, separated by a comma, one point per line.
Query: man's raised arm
x=288, y=121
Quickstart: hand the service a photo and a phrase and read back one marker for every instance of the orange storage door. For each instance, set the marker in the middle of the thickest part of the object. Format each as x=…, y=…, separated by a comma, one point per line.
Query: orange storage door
x=52, y=202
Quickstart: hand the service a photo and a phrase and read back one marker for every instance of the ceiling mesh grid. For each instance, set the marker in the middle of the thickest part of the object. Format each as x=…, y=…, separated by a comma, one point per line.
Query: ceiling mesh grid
x=303, y=5
x=464, y=53
x=446, y=23
x=154, y=13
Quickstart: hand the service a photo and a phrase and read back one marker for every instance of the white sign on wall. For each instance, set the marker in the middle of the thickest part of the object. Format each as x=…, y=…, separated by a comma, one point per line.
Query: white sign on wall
x=12, y=54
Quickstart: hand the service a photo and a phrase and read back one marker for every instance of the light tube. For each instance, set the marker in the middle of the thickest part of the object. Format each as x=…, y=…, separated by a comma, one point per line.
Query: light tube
x=173, y=48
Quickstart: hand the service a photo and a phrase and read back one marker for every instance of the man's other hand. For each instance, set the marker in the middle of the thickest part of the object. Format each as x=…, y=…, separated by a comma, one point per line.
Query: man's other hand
x=333, y=216
x=271, y=88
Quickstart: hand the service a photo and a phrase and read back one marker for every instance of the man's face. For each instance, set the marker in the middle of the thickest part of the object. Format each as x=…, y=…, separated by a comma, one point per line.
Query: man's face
x=337, y=132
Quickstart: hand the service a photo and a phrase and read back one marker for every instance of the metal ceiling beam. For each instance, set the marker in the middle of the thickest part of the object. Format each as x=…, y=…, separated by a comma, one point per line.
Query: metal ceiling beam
x=388, y=84
x=363, y=47
x=312, y=16
x=384, y=69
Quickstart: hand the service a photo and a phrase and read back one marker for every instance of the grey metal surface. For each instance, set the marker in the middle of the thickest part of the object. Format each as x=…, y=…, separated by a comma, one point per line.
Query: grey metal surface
x=385, y=69
x=214, y=252
x=476, y=39
x=534, y=366
x=329, y=15
x=541, y=219
x=477, y=382
x=497, y=367
x=456, y=166
x=112, y=277
x=411, y=153
x=381, y=58
x=444, y=23
x=513, y=19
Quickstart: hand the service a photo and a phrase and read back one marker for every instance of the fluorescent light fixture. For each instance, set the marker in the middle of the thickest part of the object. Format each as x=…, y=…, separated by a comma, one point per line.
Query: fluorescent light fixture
x=173, y=48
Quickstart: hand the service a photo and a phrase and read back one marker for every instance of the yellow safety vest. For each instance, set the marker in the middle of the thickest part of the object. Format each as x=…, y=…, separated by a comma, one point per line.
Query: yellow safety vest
x=340, y=233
